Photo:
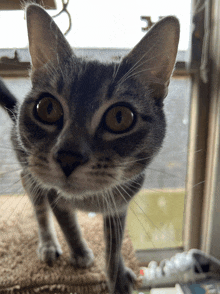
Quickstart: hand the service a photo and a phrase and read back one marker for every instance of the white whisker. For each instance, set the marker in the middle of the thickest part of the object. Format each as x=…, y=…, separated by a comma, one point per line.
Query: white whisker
x=10, y=148
x=55, y=201
x=137, y=65
x=11, y=171
x=115, y=75
x=136, y=73
x=20, y=199
x=133, y=211
x=200, y=183
x=149, y=219
x=105, y=200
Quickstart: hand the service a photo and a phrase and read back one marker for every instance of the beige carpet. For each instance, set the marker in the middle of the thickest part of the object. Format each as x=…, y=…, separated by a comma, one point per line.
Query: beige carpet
x=22, y=272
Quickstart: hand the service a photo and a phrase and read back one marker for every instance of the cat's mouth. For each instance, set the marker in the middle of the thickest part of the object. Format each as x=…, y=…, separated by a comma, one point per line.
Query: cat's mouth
x=88, y=179
x=78, y=186
x=80, y=183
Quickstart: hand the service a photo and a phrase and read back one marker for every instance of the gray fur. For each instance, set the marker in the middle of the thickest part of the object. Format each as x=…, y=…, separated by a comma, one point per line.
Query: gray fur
x=78, y=163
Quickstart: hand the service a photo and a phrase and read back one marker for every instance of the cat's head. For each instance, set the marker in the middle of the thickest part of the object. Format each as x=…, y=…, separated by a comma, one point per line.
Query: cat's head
x=88, y=126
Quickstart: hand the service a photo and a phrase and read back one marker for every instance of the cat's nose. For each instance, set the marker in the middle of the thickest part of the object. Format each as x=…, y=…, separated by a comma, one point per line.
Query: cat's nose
x=69, y=160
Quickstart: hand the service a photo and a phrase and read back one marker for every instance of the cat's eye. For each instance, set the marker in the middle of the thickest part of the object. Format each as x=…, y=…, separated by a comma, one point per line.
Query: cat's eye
x=119, y=118
x=49, y=110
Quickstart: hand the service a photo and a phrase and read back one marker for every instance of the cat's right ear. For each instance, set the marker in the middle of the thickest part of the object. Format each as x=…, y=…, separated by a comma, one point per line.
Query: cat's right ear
x=46, y=41
x=152, y=60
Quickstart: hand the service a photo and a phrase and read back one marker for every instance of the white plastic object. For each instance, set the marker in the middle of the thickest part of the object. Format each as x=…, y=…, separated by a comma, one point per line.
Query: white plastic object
x=179, y=269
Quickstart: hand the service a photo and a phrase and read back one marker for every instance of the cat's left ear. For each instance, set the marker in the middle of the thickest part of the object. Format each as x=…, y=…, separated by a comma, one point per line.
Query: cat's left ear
x=46, y=41
x=152, y=60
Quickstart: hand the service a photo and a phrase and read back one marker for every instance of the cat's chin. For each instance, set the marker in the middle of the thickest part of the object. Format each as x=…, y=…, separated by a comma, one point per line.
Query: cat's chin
x=71, y=195
x=70, y=192
x=70, y=189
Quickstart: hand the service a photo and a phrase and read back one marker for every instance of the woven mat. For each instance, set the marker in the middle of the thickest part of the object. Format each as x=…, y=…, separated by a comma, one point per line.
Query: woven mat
x=22, y=272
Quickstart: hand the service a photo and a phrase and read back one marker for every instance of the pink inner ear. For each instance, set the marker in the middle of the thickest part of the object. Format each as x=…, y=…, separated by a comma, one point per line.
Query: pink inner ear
x=46, y=41
x=153, y=58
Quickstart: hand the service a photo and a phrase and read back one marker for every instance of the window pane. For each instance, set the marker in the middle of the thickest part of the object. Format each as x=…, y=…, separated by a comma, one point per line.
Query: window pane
x=155, y=218
x=102, y=24
x=10, y=169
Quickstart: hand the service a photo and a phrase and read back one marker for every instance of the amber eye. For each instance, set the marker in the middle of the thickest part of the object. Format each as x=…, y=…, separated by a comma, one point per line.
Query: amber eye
x=49, y=110
x=119, y=119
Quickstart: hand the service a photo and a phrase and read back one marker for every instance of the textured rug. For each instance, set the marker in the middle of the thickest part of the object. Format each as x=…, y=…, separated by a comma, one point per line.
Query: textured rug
x=22, y=272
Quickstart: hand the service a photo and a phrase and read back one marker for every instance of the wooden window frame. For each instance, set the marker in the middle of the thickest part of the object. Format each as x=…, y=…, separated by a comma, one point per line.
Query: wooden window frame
x=210, y=229
x=202, y=219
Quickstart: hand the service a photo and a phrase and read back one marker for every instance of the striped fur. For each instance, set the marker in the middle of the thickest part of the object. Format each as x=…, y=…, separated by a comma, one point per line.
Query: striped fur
x=78, y=162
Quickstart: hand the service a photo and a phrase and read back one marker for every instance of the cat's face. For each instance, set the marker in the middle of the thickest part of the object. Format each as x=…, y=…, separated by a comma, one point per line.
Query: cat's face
x=112, y=129
x=87, y=126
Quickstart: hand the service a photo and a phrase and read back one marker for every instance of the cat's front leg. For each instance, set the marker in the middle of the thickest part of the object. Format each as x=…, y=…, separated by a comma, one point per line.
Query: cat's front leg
x=49, y=248
x=120, y=278
x=81, y=255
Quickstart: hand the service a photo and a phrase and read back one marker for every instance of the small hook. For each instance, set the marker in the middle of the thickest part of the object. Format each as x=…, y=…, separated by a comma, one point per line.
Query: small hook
x=149, y=22
x=64, y=9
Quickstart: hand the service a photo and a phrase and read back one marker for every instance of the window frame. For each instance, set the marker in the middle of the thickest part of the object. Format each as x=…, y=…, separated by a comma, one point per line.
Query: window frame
x=210, y=215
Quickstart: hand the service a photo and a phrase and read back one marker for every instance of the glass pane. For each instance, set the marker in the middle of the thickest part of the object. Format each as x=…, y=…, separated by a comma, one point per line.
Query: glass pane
x=10, y=169
x=115, y=24
x=155, y=218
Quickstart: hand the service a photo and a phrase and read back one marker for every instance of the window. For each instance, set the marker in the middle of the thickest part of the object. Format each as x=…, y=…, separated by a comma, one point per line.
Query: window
x=97, y=24
x=156, y=215
x=155, y=219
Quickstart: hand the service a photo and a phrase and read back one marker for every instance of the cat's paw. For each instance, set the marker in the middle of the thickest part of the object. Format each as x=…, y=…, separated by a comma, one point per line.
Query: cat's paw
x=49, y=252
x=82, y=258
x=125, y=282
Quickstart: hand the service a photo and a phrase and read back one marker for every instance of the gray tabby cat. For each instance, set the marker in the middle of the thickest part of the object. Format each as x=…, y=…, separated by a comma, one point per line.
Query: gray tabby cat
x=86, y=132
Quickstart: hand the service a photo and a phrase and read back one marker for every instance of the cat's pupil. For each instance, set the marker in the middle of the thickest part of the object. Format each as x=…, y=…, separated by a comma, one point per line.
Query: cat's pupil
x=49, y=108
x=119, y=117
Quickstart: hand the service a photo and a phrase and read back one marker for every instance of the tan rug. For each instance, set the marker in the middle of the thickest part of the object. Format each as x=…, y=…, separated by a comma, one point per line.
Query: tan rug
x=22, y=272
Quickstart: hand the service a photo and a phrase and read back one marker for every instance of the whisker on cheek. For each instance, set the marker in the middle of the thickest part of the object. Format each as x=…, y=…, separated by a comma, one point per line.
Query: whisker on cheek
x=73, y=129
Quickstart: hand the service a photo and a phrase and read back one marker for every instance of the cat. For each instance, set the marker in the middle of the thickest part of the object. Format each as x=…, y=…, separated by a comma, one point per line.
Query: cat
x=85, y=133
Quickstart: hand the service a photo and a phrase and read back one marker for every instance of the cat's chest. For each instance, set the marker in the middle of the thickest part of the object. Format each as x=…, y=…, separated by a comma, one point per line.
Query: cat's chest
x=110, y=201
x=106, y=204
